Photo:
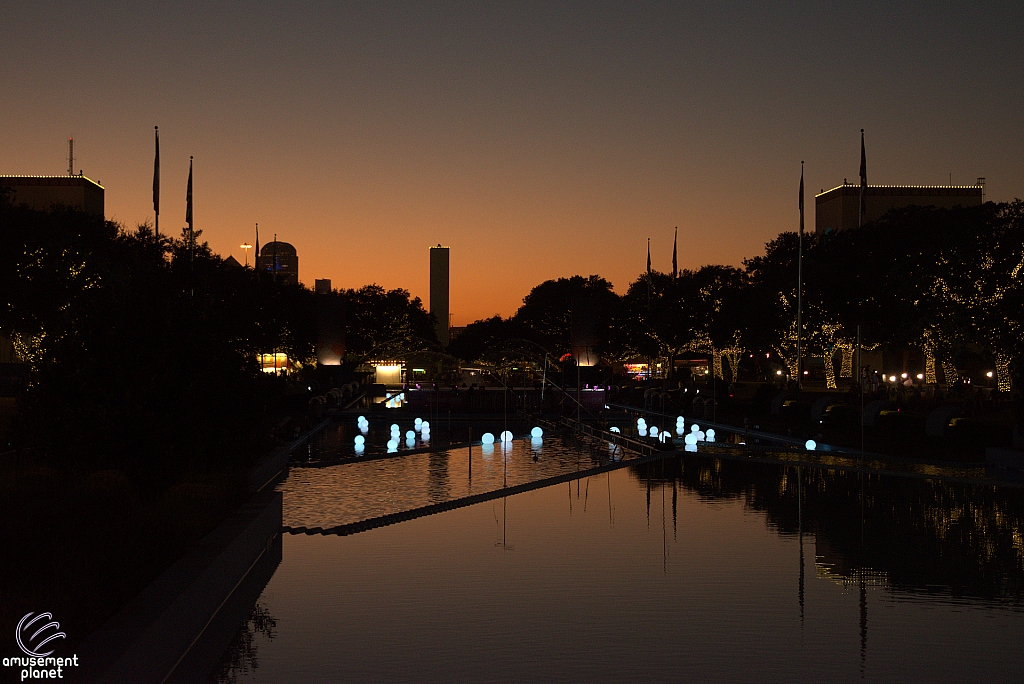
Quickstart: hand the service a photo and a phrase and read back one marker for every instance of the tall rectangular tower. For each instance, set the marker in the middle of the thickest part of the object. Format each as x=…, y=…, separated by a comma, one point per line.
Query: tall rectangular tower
x=439, y=291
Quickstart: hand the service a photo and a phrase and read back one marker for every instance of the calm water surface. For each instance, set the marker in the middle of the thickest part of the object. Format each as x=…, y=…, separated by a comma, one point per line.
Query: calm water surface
x=688, y=569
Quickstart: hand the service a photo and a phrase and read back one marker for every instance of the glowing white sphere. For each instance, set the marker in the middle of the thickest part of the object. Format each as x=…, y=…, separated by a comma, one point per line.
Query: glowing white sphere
x=487, y=438
x=690, y=438
x=410, y=441
x=710, y=436
x=359, y=448
x=615, y=430
x=392, y=445
x=680, y=429
x=641, y=421
x=395, y=428
x=425, y=435
x=536, y=432
x=418, y=422
x=425, y=425
x=506, y=436
x=410, y=435
x=680, y=420
x=811, y=445
x=695, y=428
x=361, y=419
x=653, y=430
x=364, y=428
x=700, y=436
x=642, y=431
x=360, y=440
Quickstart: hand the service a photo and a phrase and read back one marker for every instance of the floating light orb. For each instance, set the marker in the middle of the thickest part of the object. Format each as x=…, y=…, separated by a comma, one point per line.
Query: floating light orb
x=690, y=438
x=615, y=430
x=425, y=435
x=360, y=440
x=536, y=433
x=695, y=428
x=426, y=425
x=680, y=429
x=506, y=436
x=653, y=430
x=410, y=442
x=395, y=428
x=641, y=422
x=410, y=435
x=487, y=438
x=642, y=431
x=700, y=436
x=392, y=445
x=418, y=422
x=810, y=445
x=361, y=419
x=709, y=436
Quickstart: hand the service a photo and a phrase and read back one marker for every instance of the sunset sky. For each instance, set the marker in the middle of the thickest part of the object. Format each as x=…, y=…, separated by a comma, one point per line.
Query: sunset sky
x=537, y=140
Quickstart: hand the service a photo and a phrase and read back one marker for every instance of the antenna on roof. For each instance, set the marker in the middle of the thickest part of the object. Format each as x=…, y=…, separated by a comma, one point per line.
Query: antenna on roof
x=71, y=156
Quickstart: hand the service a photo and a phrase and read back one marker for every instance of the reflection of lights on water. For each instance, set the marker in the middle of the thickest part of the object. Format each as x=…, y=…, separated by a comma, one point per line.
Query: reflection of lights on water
x=487, y=449
x=642, y=431
x=536, y=443
x=690, y=447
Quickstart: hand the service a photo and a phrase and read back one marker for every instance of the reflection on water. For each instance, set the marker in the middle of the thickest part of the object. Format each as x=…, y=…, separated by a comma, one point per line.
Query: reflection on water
x=934, y=537
x=340, y=494
x=686, y=569
x=242, y=657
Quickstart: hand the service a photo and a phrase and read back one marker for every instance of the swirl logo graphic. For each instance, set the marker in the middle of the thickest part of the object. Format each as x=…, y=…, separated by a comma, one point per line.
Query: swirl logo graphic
x=32, y=636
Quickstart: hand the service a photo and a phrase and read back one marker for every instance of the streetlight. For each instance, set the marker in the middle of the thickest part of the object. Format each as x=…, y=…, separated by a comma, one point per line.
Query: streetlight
x=246, y=246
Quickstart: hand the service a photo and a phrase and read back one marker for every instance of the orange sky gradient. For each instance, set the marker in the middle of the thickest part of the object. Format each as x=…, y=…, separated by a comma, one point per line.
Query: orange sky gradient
x=536, y=142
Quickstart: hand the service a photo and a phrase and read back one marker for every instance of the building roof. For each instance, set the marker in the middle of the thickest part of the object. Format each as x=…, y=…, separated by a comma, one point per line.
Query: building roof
x=920, y=189
x=47, y=180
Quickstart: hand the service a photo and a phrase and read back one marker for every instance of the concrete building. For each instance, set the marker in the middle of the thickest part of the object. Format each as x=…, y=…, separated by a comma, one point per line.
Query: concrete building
x=281, y=259
x=839, y=208
x=439, y=291
x=43, y=193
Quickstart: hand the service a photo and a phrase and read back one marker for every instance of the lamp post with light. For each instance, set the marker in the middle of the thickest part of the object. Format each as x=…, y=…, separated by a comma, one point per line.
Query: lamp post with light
x=246, y=246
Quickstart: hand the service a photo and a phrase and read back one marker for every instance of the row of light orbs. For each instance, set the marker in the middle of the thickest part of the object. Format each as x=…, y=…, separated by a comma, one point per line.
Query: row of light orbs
x=536, y=435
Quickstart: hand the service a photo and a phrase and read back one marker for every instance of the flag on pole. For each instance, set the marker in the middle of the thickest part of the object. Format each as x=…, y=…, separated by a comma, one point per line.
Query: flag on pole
x=188, y=196
x=675, y=264
x=648, y=256
x=863, y=178
x=801, y=198
x=156, y=173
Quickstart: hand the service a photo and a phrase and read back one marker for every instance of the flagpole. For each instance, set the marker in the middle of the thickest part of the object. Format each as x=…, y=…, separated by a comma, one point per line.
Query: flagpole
x=156, y=182
x=800, y=280
x=863, y=182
